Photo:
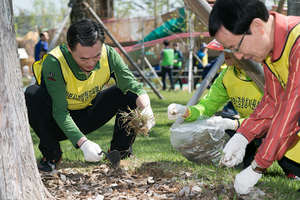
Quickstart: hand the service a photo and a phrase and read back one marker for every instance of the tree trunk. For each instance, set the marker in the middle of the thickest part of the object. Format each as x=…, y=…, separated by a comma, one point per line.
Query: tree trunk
x=293, y=7
x=19, y=176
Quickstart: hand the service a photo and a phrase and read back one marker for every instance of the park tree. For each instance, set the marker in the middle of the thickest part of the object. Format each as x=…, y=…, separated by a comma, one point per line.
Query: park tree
x=130, y=8
x=19, y=176
x=43, y=15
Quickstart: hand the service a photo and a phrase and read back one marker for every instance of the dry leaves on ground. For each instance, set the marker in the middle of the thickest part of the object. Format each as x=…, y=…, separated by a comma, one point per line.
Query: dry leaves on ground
x=148, y=181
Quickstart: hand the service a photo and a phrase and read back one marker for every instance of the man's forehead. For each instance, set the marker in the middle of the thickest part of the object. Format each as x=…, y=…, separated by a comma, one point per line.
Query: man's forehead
x=87, y=51
x=223, y=32
x=226, y=38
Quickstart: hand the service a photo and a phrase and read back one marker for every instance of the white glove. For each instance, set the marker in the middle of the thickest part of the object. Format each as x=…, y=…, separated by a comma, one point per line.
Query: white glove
x=234, y=150
x=176, y=110
x=245, y=180
x=148, y=111
x=223, y=123
x=91, y=151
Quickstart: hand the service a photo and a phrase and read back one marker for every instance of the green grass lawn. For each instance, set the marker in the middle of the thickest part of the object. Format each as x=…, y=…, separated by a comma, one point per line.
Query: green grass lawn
x=157, y=148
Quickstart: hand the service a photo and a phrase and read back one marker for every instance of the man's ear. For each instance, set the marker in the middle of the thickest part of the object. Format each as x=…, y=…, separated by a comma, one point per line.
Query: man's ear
x=257, y=25
x=69, y=48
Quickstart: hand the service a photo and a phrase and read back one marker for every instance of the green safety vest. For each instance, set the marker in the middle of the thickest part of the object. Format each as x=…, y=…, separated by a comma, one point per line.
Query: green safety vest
x=168, y=57
x=178, y=64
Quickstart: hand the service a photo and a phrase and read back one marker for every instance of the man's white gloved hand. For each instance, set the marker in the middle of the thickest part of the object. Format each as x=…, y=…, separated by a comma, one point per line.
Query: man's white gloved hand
x=245, y=180
x=234, y=150
x=176, y=110
x=223, y=123
x=148, y=112
x=91, y=151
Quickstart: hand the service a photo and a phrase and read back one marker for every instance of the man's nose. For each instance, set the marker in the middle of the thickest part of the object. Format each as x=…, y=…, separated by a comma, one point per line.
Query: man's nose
x=90, y=61
x=238, y=56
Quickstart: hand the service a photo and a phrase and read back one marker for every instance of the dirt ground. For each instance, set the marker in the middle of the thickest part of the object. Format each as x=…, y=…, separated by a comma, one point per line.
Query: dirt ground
x=148, y=181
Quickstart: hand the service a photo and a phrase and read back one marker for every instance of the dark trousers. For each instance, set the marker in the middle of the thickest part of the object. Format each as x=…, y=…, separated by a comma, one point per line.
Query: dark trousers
x=106, y=105
x=288, y=166
x=196, y=80
x=177, y=74
x=164, y=71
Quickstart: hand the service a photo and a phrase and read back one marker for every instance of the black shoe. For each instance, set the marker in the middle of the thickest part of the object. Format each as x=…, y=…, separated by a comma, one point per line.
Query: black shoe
x=128, y=154
x=292, y=176
x=108, y=151
x=48, y=165
x=131, y=156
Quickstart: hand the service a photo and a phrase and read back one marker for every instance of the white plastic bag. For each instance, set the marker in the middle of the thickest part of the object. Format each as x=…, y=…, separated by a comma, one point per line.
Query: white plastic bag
x=199, y=142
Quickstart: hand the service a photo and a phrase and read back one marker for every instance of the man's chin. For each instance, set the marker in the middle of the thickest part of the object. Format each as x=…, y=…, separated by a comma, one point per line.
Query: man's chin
x=259, y=60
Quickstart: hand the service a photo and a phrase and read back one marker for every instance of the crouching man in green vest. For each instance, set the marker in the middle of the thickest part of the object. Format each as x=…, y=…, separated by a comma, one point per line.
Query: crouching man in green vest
x=68, y=101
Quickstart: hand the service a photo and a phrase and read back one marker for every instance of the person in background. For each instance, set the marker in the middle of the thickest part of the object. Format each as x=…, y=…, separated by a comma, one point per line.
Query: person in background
x=209, y=66
x=248, y=30
x=42, y=53
x=166, y=63
x=25, y=71
x=42, y=44
x=68, y=101
x=177, y=63
x=202, y=54
x=232, y=85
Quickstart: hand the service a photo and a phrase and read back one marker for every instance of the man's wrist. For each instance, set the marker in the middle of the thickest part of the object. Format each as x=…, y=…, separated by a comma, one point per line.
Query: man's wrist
x=257, y=168
x=187, y=112
x=237, y=125
x=81, y=141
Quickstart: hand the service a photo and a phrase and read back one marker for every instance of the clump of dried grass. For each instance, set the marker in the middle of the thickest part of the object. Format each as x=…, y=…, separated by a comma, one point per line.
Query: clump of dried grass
x=134, y=120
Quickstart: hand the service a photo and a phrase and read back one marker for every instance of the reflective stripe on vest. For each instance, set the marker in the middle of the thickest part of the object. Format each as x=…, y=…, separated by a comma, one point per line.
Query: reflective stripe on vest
x=79, y=93
x=244, y=94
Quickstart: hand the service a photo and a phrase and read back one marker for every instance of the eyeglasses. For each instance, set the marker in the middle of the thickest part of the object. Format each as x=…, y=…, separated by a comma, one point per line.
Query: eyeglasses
x=236, y=50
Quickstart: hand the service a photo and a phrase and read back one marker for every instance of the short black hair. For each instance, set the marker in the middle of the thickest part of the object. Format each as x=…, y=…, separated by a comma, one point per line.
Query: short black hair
x=42, y=34
x=236, y=15
x=85, y=32
x=166, y=42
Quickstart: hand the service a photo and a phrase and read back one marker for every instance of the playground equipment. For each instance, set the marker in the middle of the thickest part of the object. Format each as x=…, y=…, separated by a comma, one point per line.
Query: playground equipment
x=63, y=23
x=122, y=50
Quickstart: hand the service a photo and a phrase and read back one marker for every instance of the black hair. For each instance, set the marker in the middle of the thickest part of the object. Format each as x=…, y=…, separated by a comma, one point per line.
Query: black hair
x=236, y=15
x=42, y=34
x=85, y=32
x=166, y=42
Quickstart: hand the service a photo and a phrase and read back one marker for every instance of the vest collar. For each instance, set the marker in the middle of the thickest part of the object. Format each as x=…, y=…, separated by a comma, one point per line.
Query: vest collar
x=280, y=34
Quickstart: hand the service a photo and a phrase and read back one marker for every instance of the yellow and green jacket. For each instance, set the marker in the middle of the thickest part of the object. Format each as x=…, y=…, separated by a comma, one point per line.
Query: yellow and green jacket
x=234, y=85
x=72, y=89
